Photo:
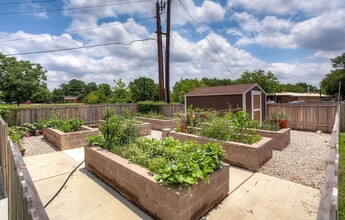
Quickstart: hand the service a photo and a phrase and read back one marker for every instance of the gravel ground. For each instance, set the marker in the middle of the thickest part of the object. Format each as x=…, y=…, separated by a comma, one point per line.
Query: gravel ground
x=37, y=145
x=304, y=161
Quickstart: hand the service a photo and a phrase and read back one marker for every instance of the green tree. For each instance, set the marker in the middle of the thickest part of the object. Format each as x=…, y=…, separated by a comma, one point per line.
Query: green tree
x=216, y=82
x=92, y=98
x=121, y=93
x=291, y=88
x=74, y=87
x=339, y=62
x=330, y=84
x=19, y=80
x=307, y=87
x=91, y=86
x=268, y=81
x=184, y=86
x=143, y=89
x=58, y=95
x=42, y=95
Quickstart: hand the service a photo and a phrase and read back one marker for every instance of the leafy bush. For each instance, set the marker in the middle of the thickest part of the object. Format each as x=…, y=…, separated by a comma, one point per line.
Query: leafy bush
x=270, y=126
x=232, y=127
x=150, y=106
x=16, y=134
x=172, y=161
x=68, y=125
x=151, y=114
x=118, y=131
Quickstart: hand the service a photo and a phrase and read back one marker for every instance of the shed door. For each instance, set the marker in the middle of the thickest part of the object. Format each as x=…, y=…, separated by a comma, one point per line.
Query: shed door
x=256, y=106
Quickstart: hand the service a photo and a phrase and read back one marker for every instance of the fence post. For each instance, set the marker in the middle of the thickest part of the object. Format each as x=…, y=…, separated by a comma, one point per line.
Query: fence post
x=342, y=116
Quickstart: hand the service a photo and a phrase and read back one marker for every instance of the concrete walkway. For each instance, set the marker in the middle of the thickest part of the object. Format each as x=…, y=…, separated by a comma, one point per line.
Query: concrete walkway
x=252, y=195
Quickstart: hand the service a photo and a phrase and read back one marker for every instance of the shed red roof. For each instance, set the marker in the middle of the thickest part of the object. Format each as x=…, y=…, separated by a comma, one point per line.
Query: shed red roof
x=223, y=90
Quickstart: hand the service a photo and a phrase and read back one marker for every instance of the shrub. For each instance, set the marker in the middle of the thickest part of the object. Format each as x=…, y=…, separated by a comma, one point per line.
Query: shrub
x=118, y=131
x=150, y=106
x=232, y=127
x=68, y=125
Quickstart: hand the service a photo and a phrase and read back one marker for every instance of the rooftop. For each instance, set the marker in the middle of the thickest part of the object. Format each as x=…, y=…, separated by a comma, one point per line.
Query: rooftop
x=222, y=90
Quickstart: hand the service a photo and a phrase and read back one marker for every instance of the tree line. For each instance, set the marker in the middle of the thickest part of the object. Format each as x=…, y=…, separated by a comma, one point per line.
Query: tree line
x=21, y=81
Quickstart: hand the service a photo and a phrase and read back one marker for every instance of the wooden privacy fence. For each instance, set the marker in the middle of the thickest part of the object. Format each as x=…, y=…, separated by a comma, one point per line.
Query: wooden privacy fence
x=328, y=208
x=4, y=153
x=89, y=113
x=23, y=199
x=308, y=117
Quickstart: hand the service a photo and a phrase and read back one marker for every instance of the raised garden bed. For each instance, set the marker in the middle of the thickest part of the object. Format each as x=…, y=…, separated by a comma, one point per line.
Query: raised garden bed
x=162, y=202
x=249, y=156
x=63, y=140
x=144, y=128
x=159, y=124
x=280, y=139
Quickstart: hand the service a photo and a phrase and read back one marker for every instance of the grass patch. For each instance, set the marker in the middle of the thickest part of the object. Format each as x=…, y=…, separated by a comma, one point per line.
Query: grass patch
x=341, y=204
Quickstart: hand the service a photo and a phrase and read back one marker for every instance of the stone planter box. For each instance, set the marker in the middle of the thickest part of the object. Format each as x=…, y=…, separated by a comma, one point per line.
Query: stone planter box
x=144, y=129
x=162, y=202
x=63, y=140
x=159, y=124
x=280, y=139
x=249, y=156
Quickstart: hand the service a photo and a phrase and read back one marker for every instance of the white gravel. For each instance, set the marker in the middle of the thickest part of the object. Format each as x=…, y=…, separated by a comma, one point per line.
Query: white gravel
x=37, y=145
x=304, y=161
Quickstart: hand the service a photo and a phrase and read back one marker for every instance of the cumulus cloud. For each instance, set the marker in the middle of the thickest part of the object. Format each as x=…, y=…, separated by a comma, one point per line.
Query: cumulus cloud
x=321, y=33
x=310, y=73
x=292, y=7
x=190, y=57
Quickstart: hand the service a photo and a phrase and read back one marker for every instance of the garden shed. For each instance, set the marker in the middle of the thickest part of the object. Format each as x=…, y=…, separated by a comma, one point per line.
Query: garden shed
x=249, y=97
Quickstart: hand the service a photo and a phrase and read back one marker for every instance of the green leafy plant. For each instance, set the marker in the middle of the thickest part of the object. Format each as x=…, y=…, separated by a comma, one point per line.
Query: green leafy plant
x=279, y=116
x=150, y=106
x=152, y=114
x=173, y=162
x=232, y=127
x=64, y=125
x=119, y=131
x=16, y=134
x=269, y=125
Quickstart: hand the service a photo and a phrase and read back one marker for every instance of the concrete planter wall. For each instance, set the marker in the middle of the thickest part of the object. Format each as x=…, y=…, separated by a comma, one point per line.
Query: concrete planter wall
x=162, y=202
x=69, y=140
x=249, y=156
x=159, y=124
x=280, y=139
x=144, y=129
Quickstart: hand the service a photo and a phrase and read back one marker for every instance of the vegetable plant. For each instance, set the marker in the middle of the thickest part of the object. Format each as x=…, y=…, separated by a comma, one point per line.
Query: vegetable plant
x=171, y=161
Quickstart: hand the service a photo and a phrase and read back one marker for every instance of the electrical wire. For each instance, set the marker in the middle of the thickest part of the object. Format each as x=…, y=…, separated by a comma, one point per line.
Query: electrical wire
x=26, y=2
x=69, y=176
x=76, y=31
x=70, y=9
x=186, y=55
x=81, y=47
x=215, y=50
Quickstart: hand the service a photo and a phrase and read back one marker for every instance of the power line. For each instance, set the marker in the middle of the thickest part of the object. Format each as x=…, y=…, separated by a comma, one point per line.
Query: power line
x=186, y=55
x=70, y=9
x=215, y=50
x=26, y=2
x=75, y=31
x=81, y=47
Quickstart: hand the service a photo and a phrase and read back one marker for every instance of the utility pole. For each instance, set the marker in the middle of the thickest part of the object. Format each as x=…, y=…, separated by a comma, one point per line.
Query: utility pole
x=167, y=55
x=159, y=9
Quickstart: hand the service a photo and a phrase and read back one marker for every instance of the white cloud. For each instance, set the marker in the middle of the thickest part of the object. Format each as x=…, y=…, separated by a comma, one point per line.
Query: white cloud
x=292, y=7
x=311, y=73
x=321, y=33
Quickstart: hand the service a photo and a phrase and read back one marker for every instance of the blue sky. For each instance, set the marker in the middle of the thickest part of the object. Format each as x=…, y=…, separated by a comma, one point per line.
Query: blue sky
x=293, y=39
